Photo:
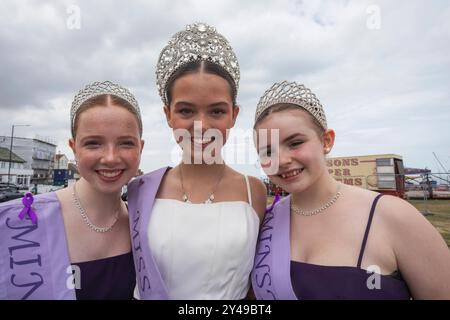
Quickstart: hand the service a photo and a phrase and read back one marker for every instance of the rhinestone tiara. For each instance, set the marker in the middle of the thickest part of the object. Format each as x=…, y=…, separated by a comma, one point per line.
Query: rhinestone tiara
x=99, y=88
x=198, y=42
x=293, y=93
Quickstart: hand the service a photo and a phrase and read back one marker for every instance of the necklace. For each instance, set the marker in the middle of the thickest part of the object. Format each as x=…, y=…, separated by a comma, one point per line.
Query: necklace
x=83, y=213
x=211, y=196
x=299, y=211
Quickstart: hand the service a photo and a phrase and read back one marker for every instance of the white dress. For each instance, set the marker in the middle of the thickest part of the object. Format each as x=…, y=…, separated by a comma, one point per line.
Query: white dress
x=204, y=251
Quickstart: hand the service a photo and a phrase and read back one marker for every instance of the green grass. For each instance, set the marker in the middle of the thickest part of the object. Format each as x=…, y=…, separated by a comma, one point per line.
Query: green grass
x=438, y=214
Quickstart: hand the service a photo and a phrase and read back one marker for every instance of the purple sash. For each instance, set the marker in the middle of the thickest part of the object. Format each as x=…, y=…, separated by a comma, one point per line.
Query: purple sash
x=141, y=196
x=271, y=276
x=34, y=262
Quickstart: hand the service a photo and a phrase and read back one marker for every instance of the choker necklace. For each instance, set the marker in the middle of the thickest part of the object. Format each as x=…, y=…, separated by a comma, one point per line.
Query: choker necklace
x=299, y=211
x=211, y=197
x=83, y=213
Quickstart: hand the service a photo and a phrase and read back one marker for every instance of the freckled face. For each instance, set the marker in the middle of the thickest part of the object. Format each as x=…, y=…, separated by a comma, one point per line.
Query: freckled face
x=107, y=147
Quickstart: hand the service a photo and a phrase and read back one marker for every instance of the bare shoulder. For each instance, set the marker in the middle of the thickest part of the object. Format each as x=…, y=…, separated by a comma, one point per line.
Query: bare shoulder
x=400, y=214
x=259, y=196
x=421, y=252
x=169, y=184
x=257, y=184
x=64, y=193
x=409, y=228
x=257, y=188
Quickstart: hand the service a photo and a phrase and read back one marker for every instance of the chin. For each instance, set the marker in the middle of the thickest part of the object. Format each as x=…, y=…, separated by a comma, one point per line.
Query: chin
x=294, y=187
x=110, y=186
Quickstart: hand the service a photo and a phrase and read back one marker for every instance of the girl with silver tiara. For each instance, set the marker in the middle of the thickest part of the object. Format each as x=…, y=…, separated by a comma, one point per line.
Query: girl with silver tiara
x=195, y=226
x=327, y=240
x=75, y=243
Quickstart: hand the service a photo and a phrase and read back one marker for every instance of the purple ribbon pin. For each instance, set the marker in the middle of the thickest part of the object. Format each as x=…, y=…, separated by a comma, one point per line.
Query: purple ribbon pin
x=277, y=198
x=27, y=201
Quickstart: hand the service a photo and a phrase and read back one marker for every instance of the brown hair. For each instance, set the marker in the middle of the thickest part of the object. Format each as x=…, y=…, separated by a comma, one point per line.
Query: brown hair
x=289, y=106
x=198, y=66
x=104, y=100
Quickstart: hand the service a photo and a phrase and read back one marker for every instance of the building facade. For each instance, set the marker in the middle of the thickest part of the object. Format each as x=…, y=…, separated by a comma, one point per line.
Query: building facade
x=383, y=173
x=61, y=170
x=38, y=153
x=16, y=172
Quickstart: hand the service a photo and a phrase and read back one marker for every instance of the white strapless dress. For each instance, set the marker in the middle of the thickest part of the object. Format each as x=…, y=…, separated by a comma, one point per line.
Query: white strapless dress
x=204, y=251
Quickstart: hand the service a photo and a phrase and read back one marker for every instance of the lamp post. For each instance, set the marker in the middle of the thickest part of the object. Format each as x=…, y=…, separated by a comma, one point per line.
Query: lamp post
x=10, y=149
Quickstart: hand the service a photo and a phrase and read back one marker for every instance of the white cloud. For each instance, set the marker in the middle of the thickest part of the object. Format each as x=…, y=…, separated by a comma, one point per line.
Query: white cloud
x=384, y=90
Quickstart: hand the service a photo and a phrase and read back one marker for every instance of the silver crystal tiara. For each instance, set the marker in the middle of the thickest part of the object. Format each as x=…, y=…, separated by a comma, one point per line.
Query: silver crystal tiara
x=99, y=88
x=198, y=42
x=293, y=93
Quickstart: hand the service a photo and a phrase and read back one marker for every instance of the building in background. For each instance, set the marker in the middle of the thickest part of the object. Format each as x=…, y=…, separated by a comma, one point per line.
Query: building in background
x=382, y=173
x=38, y=154
x=61, y=170
x=19, y=175
x=61, y=162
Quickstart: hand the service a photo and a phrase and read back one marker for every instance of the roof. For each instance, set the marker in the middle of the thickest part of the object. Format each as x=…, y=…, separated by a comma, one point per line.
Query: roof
x=4, y=156
x=60, y=155
x=377, y=156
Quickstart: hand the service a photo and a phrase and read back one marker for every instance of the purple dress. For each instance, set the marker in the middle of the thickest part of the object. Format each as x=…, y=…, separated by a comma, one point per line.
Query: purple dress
x=312, y=281
x=111, y=278
x=275, y=276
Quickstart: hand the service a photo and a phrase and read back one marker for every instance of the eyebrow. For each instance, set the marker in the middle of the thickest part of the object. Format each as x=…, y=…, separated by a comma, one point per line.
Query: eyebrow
x=292, y=136
x=103, y=137
x=91, y=137
x=184, y=103
x=127, y=137
x=218, y=104
x=189, y=104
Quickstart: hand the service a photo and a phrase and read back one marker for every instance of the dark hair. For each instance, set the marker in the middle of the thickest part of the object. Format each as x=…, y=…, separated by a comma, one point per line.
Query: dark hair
x=289, y=106
x=103, y=100
x=197, y=66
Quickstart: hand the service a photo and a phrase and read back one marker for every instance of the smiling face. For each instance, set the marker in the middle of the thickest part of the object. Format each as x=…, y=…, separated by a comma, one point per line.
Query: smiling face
x=299, y=149
x=107, y=146
x=201, y=106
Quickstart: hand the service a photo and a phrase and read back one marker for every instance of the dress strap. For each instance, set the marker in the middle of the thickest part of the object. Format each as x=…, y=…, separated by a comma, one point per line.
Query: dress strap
x=249, y=192
x=366, y=234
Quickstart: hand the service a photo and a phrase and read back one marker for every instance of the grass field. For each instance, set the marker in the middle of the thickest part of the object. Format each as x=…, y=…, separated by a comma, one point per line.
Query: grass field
x=437, y=212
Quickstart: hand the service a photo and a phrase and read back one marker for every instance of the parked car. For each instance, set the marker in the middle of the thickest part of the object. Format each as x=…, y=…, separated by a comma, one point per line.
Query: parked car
x=10, y=194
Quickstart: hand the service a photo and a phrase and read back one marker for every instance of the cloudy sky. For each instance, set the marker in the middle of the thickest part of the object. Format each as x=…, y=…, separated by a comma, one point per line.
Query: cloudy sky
x=380, y=68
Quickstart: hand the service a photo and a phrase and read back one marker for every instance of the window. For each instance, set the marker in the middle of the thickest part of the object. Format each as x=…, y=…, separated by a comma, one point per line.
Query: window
x=384, y=162
x=22, y=180
x=3, y=164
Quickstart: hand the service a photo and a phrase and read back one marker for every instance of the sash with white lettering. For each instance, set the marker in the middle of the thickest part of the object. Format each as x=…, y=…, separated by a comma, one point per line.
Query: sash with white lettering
x=141, y=197
x=271, y=276
x=34, y=262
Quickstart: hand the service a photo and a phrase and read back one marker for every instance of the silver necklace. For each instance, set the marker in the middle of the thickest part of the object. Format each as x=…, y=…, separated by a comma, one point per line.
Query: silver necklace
x=299, y=211
x=85, y=218
x=211, y=196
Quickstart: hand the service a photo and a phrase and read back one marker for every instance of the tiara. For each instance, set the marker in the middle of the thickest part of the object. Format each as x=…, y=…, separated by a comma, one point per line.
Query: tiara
x=198, y=42
x=293, y=93
x=99, y=88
